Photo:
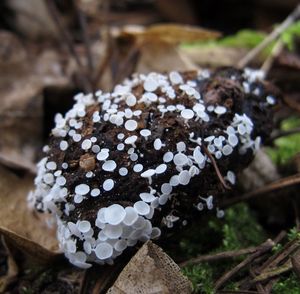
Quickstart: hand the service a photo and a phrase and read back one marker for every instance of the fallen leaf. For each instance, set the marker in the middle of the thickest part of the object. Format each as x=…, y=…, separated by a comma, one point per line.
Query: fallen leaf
x=22, y=227
x=213, y=56
x=151, y=271
x=173, y=33
x=161, y=56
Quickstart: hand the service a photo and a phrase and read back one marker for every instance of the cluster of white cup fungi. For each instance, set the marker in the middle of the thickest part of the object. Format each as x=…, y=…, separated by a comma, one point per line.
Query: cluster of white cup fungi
x=116, y=227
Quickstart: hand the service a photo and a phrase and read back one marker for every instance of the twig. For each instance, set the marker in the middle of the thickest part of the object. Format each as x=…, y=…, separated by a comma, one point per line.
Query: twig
x=278, y=47
x=271, y=37
x=219, y=256
x=246, y=283
x=215, y=167
x=263, y=248
x=273, y=273
x=85, y=36
x=238, y=292
x=65, y=36
x=280, y=133
x=276, y=185
x=105, y=61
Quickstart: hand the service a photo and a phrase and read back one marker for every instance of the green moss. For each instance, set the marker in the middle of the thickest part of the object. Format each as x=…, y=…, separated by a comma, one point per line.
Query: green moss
x=293, y=234
x=289, y=34
x=238, y=229
x=201, y=276
x=287, y=284
x=286, y=147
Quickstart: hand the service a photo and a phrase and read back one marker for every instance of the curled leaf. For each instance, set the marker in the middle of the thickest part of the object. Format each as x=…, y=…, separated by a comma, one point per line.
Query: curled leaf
x=151, y=270
x=21, y=227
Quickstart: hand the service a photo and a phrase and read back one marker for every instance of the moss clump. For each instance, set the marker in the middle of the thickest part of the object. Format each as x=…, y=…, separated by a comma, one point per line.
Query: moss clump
x=201, y=276
x=287, y=284
x=238, y=229
x=286, y=147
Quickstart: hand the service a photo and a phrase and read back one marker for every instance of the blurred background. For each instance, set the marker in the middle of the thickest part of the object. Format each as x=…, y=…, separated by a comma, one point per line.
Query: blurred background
x=52, y=49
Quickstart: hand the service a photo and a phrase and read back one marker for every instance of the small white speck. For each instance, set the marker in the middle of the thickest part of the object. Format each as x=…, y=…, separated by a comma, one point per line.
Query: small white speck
x=184, y=177
x=138, y=168
x=131, y=140
x=187, y=113
x=227, y=150
x=175, y=78
x=233, y=140
x=104, y=251
x=198, y=156
x=242, y=129
x=86, y=144
x=120, y=146
x=147, y=197
x=133, y=157
x=84, y=226
x=141, y=207
x=148, y=96
x=161, y=169
x=78, y=198
x=130, y=99
x=270, y=100
x=61, y=181
x=64, y=165
x=157, y=144
x=51, y=165
x=220, y=109
x=95, y=192
x=231, y=177
x=166, y=188
x=120, y=136
x=109, y=165
x=180, y=159
x=123, y=171
x=150, y=85
x=181, y=147
x=168, y=156
x=82, y=189
x=48, y=178
x=76, y=137
x=108, y=185
x=218, y=154
x=148, y=173
x=63, y=145
x=102, y=155
x=96, y=148
x=174, y=181
x=130, y=125
x=145, y=133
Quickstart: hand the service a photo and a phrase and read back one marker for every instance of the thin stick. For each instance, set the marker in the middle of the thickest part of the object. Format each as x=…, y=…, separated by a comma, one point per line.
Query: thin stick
x=219, y=256
x=65, y=36
x=85, y=36
x=215, y=167
x=277, y=49
x=271, y=37
x=263, y=248
x=280, y=133
x=276, y=185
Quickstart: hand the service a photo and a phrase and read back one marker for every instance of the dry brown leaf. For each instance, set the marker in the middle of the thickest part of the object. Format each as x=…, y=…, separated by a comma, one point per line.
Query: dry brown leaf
x=151, y=271
x=162, y=57
x=214, y=56
x=22, y=227
x=174, y=33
